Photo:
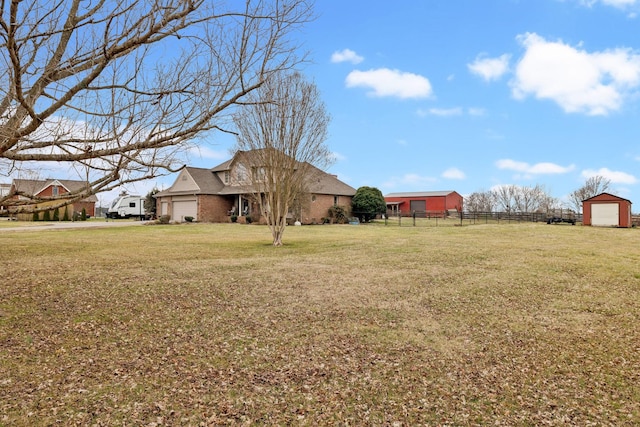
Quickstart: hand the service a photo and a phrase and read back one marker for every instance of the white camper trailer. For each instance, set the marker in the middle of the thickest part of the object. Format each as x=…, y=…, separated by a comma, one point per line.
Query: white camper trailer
x=127, y=206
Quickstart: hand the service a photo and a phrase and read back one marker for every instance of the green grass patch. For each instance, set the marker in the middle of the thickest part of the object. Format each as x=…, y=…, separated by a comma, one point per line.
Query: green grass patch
x=510, y=324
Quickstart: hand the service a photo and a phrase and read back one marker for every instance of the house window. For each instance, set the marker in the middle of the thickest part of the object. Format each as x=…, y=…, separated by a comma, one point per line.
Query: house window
x=240, y=173
x=132, y=204
x=313, y=198
x=54, y=190
x=335, y=200
x=227, y=176
x=259, y=174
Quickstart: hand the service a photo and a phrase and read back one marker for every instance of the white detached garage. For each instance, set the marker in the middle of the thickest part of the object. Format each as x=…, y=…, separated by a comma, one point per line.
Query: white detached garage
x=606, y=210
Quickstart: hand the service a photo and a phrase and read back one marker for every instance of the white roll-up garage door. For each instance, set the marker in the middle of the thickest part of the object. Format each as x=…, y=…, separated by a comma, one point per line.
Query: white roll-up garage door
x=184, y=208
x=605, y=214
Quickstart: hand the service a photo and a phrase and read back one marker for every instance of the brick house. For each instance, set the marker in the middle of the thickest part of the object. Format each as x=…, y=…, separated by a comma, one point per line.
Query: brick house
x=213, y=195
x=51, y=192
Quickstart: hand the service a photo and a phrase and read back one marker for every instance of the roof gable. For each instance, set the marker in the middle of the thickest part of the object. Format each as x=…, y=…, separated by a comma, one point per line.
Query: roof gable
x=37, y=186
x=606, y=197
x=193, y=180
x=185, y=182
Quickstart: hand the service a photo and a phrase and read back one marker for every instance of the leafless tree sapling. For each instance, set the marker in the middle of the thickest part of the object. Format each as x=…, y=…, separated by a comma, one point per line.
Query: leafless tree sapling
x=282, y=130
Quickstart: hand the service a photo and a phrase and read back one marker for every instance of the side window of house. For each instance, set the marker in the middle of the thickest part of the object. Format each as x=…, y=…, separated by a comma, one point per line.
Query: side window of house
x=132, y=204
x=240, y=173
x=227, y=176
x=54, y=190
x=335, y=200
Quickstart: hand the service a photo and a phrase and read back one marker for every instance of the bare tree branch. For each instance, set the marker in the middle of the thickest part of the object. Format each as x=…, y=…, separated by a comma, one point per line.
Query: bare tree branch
x=117, y=90
x=592, y=187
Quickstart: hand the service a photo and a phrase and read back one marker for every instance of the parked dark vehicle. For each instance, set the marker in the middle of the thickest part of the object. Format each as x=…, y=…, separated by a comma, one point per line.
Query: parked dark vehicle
x=558, y=219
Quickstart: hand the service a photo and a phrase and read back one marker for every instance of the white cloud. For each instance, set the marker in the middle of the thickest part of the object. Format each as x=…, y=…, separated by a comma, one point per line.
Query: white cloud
x=440, y=112
x=203, y=152
x=449, y=112
x=413, y=178
x=616, y=177
x=346, y=55
x=453, y=173
x=490, y=68
x=385, y=82
x=620, y=4
x=579, y=81
x=544, y=168
x=476, y=111
x=409, y=181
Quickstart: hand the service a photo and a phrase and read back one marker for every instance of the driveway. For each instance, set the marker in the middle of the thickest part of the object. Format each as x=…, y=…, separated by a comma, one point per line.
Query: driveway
x=64, y=225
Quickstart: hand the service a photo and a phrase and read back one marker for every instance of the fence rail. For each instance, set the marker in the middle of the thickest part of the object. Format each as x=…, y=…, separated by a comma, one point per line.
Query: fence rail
x=454, y=218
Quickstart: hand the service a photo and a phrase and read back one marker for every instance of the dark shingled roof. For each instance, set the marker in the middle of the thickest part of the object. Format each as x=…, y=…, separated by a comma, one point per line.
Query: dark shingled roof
x=34, y=186
x=209, y=183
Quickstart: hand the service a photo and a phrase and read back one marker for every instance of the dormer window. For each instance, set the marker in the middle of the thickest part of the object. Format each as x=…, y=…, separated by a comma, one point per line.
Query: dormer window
x=227, y=177
x=54, y=191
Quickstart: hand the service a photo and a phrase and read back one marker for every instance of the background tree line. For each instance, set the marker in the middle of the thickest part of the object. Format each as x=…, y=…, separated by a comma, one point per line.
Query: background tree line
x=523, y=199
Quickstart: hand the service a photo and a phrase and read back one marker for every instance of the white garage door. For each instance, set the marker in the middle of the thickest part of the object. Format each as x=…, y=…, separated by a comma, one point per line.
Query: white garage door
x=184, y=208
x=605, y=214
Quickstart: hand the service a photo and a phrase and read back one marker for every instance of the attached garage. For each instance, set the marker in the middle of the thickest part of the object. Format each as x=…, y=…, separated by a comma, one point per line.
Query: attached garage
x=606, y=210
x=182, y=208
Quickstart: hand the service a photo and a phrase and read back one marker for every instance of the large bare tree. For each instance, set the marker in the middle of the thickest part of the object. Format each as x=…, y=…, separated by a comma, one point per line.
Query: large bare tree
x=592, y=187
x=480, y=201
x=116, y=90
x=282, y=130
x=522, y=199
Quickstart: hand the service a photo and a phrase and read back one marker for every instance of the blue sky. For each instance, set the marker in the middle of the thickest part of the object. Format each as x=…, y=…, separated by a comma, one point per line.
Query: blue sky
x=467, y=95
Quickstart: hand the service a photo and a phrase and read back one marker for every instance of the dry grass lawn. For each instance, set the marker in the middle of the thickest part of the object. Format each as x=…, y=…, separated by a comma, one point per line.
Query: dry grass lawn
x=522, y=324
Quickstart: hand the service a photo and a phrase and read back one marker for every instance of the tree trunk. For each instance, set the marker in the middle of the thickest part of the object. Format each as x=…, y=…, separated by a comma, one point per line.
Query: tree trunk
x=277, y=238
x=277, y=230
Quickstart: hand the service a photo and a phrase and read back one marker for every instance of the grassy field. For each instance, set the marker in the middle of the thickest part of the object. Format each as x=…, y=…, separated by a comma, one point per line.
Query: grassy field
x=522, y=324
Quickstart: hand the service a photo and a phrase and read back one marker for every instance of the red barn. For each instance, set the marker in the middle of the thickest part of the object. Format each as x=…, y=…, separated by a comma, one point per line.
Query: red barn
x=428, y=202
x=606, y=210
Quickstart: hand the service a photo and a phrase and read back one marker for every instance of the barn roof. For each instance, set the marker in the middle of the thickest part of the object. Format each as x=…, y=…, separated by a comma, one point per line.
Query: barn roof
x=607, y=196
x=421, y=194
